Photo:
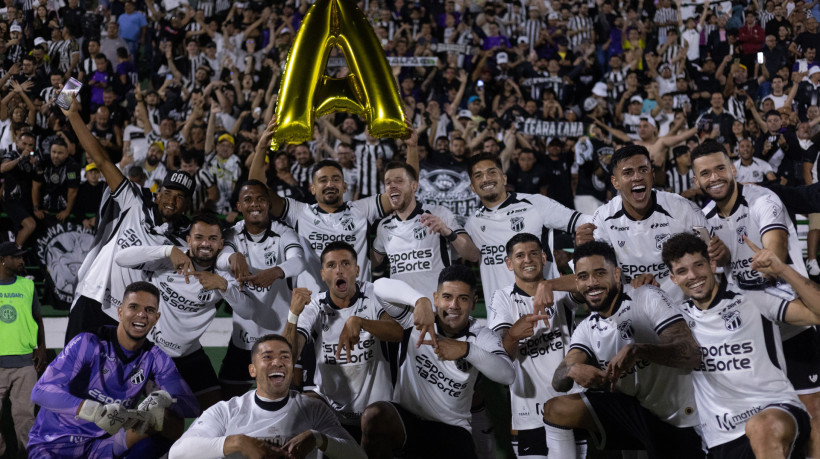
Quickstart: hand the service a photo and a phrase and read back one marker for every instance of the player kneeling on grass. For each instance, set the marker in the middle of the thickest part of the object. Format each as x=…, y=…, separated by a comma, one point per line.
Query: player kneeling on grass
x=88, y=393
x=271, y=421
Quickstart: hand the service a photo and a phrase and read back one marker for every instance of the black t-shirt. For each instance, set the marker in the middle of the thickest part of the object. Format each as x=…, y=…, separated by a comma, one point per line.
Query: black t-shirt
x=56, y=180
x=559, y=180
x=808, y=39
x=17, y=181
x=530, y=181
x=89, y=198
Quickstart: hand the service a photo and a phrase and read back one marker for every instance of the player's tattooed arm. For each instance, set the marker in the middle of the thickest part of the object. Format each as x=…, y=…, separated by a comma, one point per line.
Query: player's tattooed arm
x=576, y=368
x=677, y=348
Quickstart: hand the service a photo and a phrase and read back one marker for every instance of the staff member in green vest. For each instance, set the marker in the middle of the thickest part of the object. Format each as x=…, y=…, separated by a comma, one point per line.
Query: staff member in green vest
x=22, y=341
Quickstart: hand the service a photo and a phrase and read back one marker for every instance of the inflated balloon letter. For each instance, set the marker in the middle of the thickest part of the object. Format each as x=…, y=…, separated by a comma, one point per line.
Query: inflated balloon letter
x=306, y=92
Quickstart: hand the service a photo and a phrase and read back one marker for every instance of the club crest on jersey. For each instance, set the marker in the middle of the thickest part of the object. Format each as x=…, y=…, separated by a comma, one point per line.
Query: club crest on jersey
x=419, y=233
x=740, y=233
x=660, y=239
x=137, y=377
x=204, y=296
x=347, y=224
x=813, y=378
x=483, y=228
x=270, y=258
x=621, y=243
x=731, y=319
x=625, y=330
x=517, y=224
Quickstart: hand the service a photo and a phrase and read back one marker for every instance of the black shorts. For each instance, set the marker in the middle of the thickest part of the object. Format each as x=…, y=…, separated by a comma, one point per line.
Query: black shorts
x=17, y=212
x=740, y=448
x=802, y=354
x=432, y=439
x=624, y=424
x=86, y=316
x=531, y=442
x=197, y=371
x=234, y=369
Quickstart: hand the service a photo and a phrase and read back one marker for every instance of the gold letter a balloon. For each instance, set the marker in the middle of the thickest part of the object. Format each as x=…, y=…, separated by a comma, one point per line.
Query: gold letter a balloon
x=369, y=90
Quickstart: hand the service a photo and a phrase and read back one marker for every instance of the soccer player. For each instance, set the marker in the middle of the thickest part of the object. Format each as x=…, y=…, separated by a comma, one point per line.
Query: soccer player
x=331, y=219
x=415, y=238
x=347, y=326
x=127, y=218
x=740, y=387
x=535, y=348
x=638, y=221
x=189, y=300
x=639, y=348
x=757, y=213
x=429, y=414
x=273, y=253
x=271, y=421
x=503, y=214
x=88, y=393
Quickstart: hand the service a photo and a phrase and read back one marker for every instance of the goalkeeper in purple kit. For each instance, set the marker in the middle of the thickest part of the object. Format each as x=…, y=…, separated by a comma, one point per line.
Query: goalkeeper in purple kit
x=90, y=394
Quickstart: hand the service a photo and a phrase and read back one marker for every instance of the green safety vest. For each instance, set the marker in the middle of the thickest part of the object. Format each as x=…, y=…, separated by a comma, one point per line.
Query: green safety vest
x=18, y=330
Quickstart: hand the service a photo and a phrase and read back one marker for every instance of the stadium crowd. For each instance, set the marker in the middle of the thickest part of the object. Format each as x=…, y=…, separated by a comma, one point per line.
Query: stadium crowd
x=602, y=157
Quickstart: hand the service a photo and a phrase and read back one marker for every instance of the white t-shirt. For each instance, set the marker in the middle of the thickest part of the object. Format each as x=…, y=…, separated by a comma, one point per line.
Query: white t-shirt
x=227, y=173
x=538, y=356
x=741, y=369
x=491, y=229
x=276, y=422
x=269, y=306
x=640, y=316
x=755, y=172
x=416, y=256
x=318, y=228
x=638, y=243
x=349, y=387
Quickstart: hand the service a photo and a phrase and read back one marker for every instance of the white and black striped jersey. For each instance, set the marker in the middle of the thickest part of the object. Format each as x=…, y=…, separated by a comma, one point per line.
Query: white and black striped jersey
x=68, y=50
x=416, y=256
x=88, y=65
x=490, y=229
x=155, y=176
x=583, y=25
x=227, y=173
x=128, y=217
x=742, y=367
x=640, y=316
x=678, y=183
x=301, y=173
x=753, y=173
x=663, y=15
x=154, y=136
x=538, y=356
x=367, y=157
x=617, y=78
x=187, y=307
x=348, y=223
x=268, y=306
x=207, y=7
x=442, y=390
x=204, y=180
x=638, y=243
x=348, y=386
x=532, y=30
x=274, y=421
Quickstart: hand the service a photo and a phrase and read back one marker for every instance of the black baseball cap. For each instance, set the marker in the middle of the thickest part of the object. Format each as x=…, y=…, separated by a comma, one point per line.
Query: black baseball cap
x=179, y=180
x=10, y=249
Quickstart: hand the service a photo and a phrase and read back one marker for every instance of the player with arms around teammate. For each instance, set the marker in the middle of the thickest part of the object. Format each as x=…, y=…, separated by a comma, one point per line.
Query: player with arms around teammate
x=127, y=219
x=415, y=238
x=740, y=386
x=273, y=253
x=271, y=421
x=88, y=392
x=348, y=327
x=429, y=415
x=536, y=343
x=503, y=214
x=190, y=289
x=637, y=221
x=757, y=213
x=633, y=354
x=331, y=219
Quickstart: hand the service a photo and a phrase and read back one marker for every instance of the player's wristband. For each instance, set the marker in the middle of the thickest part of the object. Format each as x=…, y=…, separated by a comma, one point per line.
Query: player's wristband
x=292, y=318
x=452, y=237
x=317, y=437
x=466, y=353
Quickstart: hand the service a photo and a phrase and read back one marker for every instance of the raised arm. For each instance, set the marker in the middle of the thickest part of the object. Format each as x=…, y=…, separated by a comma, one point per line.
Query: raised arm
x=95, y=152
